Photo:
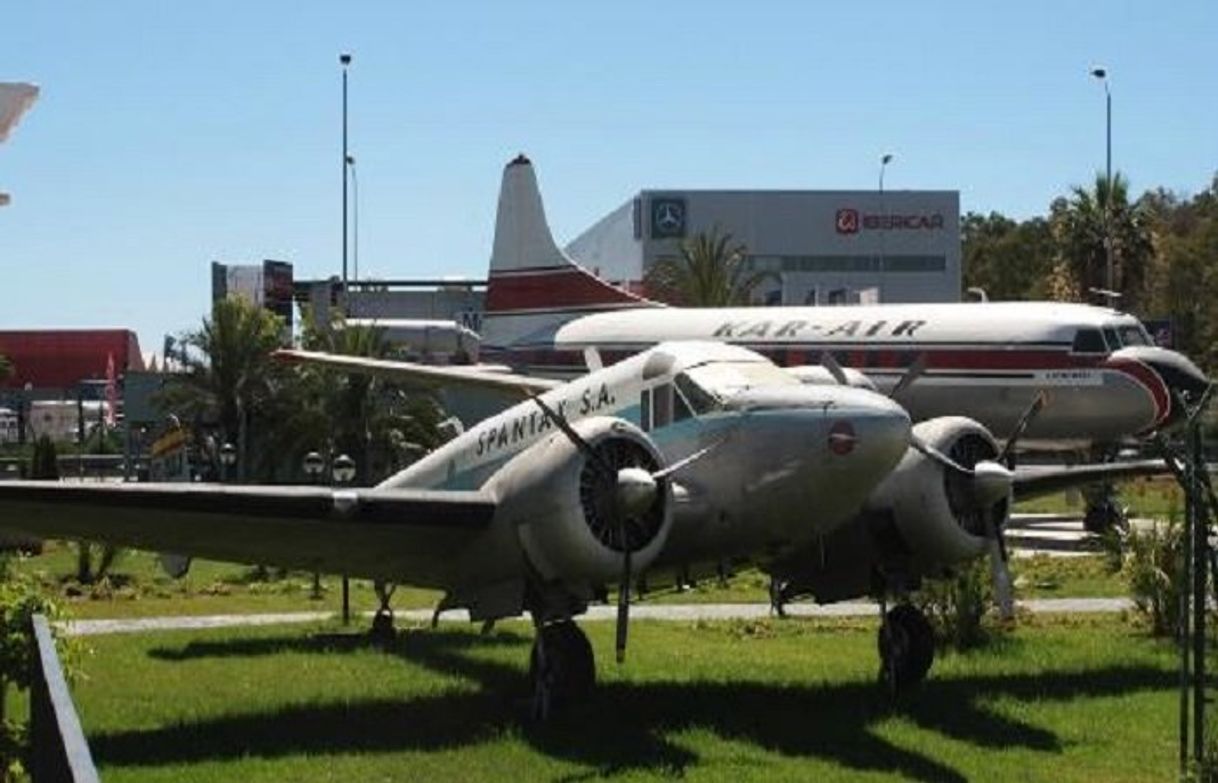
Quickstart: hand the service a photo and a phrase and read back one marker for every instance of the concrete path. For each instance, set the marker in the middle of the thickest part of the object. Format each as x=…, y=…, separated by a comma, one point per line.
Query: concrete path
x=663, y=612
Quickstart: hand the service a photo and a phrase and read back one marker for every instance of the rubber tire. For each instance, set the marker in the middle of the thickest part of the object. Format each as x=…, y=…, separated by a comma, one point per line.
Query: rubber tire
x=571, y=667
x=913, y=643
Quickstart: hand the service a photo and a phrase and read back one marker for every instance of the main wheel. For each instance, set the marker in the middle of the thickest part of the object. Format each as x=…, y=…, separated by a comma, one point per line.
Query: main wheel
x=907, y=648
x=562, y=669
x=1104, y=516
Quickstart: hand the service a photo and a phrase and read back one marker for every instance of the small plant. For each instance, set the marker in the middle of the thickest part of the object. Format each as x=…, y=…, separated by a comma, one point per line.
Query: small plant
x=1153, y=566
x=956, y=605
x=20, y=599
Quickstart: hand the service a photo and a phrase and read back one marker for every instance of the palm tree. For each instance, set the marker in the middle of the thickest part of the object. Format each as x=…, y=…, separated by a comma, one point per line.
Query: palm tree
x=229, y=372
x=709, y=272
x=380, y=424
x=1080, y=227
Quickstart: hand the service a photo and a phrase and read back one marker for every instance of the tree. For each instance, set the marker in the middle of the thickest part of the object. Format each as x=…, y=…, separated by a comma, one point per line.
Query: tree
x=710, y=271
x=381, y=425
x=1183, y=284
x=229, y=372
x=1007, y=259
x=1080, y=225
x=6, y=367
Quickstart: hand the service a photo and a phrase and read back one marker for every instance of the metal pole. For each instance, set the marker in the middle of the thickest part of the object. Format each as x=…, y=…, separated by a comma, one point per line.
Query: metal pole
x=345, y=59
x=1108, y=176
x=884, y=161
x=1200, y=563
x=1184, y=619
x=354, y=218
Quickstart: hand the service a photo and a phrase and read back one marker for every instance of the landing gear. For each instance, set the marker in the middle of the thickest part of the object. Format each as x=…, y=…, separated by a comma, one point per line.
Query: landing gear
x=561, y=669
x=778, y=596
x=382, y=622
x=1104, y=513
x=907, y=648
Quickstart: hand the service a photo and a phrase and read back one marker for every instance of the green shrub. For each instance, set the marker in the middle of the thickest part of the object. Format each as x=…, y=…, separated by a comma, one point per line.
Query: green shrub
x=1153, y=568
x=20, y=599
x=956, y=605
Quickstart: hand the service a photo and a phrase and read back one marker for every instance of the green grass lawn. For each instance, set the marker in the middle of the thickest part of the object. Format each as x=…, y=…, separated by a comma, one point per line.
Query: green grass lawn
x=1144, y=497
x=1058, y=700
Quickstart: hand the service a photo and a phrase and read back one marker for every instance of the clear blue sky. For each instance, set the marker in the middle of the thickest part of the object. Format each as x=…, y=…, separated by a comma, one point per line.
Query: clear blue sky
x=170, y=134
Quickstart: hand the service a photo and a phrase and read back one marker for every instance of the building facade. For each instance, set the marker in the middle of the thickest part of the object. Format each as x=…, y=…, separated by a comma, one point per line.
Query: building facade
x=822, y=247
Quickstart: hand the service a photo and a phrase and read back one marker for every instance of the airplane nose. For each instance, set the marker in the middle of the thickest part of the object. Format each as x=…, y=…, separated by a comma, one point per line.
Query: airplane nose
x=1183, y=379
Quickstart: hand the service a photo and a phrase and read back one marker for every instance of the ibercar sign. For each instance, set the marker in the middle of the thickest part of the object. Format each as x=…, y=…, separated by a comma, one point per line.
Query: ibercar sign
x=851, y=221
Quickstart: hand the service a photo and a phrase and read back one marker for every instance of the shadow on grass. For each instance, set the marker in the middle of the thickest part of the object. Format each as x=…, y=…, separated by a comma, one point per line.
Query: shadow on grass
x=625, y=726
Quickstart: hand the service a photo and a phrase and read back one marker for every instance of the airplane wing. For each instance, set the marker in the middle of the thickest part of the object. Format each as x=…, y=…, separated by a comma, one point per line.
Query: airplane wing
x=428, y=375
x=1035, y=480
x=393, y=534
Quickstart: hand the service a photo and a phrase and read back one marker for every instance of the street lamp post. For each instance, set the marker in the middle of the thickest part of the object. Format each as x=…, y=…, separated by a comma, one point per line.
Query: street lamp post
x=885, y=159
x=344, y=472
x=1102, y=75
x=228, y=458
x=345, y=60
x=354, y=218
x=313, y=464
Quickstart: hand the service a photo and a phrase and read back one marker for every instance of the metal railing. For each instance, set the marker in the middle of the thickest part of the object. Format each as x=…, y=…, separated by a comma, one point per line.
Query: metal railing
x=58, y=748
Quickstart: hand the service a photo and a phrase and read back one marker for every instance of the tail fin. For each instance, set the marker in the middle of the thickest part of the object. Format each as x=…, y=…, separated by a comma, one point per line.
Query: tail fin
x=533, y=284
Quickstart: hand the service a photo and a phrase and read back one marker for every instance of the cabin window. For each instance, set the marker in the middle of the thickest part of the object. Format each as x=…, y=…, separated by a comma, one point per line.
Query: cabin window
x=645, y=410
x=1110, y=335
x=661, y=406
x=700, y=400
x=1089, y=341
x=680, y=408
x=1134, y=335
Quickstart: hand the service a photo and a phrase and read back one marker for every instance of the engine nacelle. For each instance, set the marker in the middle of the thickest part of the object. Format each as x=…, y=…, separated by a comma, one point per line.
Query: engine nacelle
x=563, y=504
x=934, y=507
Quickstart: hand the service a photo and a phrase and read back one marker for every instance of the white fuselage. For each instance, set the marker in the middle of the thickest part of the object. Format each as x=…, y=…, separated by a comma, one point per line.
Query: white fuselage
x=987, y=361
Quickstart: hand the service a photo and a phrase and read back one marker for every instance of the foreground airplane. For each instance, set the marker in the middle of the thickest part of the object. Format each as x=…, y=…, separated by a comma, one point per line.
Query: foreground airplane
x=1055, y=375
x=663, y=466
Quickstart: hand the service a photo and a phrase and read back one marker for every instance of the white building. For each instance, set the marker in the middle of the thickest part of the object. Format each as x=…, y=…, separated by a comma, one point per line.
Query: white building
x=824, y=247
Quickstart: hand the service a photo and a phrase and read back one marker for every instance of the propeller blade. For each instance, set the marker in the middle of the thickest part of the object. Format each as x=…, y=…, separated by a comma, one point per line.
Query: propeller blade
x=1007, y=457
x=912, y=374
x=829, y=363
x=623, y=601
x=938, y=456
x=687, y=461
x=572, y=435
x=1003, y=592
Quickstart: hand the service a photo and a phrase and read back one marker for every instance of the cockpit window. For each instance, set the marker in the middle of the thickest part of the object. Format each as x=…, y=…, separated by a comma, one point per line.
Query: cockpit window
x=1110, y=336
x=700, y=400
x=724, y=379
x=1134, y=335
x=1089, y=341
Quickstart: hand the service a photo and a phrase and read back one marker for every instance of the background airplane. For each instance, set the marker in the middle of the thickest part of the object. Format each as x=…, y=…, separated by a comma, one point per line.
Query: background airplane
x=1057, y=375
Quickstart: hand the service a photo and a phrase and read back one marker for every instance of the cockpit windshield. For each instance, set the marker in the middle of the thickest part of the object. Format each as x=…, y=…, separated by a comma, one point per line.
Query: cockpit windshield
x=720, y=380
x=1133, y=335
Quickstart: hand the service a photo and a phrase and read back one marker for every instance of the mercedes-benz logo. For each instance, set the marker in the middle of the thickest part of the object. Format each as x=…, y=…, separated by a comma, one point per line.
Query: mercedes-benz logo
x=668, y=216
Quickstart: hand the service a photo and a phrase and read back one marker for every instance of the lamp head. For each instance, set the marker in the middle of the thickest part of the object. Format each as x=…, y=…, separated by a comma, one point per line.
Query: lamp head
x=344, y=58
x=886, y=159
x=1099, y=73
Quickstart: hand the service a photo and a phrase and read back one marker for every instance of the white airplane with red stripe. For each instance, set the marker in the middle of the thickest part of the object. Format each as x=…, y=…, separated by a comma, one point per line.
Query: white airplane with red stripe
x=1101, y=377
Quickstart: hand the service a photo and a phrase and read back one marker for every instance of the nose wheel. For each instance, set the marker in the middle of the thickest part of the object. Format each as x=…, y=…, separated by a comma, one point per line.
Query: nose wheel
x=562, y=669
x=907, y=648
